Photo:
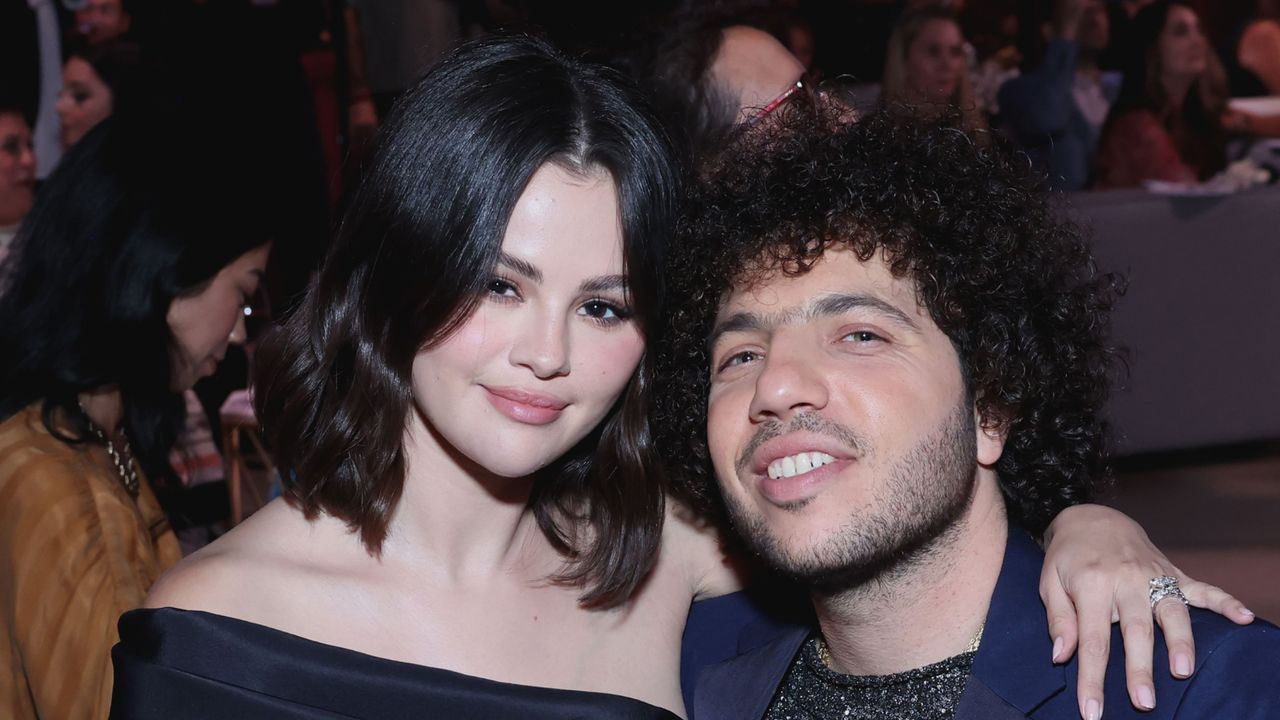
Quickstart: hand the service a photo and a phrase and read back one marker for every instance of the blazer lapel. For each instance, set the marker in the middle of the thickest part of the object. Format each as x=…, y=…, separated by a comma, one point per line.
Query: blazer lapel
x=979, y=703
x=1013, y=663
x=742, y=688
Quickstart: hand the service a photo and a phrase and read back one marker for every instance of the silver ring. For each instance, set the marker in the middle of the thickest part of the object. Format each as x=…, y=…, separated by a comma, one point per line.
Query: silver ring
x=1162, y=587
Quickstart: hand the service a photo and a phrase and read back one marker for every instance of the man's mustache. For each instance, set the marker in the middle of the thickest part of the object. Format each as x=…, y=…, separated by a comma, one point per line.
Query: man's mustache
x=804, y=422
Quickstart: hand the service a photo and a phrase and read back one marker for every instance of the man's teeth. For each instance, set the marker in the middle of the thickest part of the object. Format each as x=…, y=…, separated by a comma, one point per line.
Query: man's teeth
x=798, y=464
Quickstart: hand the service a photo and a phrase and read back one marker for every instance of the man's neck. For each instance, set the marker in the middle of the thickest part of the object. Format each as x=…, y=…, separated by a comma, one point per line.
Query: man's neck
x=927, y=609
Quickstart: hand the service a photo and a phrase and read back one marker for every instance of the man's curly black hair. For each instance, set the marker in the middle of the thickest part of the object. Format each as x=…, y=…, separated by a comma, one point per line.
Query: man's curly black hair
x=1000, y=270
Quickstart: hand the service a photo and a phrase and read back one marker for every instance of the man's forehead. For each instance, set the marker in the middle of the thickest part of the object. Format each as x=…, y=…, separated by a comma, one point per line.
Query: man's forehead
x=770, y=290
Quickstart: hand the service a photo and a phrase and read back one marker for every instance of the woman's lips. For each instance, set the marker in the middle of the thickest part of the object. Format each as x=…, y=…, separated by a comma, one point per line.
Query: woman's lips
x=524, y=406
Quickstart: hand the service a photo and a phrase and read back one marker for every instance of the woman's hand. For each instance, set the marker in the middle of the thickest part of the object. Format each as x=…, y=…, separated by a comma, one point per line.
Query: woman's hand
x=1098, y=563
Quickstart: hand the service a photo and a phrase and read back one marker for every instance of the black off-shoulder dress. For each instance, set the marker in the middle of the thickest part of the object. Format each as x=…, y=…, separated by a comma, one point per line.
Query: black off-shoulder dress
x=185, y=664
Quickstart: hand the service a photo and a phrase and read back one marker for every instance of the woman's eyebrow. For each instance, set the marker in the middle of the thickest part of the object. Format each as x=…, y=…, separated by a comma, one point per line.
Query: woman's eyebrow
x=604, y=283
x=521, y=267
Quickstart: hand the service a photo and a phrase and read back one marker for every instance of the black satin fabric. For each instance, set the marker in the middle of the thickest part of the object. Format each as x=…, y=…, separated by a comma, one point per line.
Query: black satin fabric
x=183, y=664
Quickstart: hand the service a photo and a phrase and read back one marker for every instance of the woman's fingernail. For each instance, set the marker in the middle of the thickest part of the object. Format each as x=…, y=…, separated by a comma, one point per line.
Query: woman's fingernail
x=1057, y=649
x=1246, y=611
x=1093, y=710
x=1182, y=665
x=1146, y=698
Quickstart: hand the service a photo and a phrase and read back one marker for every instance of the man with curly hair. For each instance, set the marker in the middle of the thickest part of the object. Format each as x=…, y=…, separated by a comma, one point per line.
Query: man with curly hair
x=893, y=353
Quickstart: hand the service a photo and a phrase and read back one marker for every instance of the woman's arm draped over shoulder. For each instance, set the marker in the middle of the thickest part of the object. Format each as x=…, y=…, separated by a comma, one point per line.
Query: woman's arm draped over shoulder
x=1097, y=565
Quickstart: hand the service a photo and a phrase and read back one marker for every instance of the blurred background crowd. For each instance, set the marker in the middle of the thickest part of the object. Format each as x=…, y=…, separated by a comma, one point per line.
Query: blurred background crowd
x=249, y=120
x=285, y=96
x=1101, y=93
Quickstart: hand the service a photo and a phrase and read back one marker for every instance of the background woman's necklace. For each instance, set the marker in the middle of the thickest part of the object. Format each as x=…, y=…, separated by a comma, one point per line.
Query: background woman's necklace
x=122, y=458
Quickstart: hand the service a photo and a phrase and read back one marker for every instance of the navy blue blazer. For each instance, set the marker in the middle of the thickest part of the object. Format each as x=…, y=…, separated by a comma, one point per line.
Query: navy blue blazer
x=1237, y=668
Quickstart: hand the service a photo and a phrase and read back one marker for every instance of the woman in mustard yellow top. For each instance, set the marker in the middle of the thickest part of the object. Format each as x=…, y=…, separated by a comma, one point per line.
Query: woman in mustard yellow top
x=124, y=287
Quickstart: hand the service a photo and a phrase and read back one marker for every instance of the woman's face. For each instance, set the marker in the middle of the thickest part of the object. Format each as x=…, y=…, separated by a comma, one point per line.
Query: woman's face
x=205, y=322
x=935, y=61
x=1184, y=53
x=17, y=168
x=551, y=345
x=85, y=100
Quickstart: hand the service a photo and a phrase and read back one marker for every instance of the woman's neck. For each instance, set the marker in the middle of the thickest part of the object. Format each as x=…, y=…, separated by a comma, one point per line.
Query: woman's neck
x=458, y=521
x=1177, y=87
x=104, y=408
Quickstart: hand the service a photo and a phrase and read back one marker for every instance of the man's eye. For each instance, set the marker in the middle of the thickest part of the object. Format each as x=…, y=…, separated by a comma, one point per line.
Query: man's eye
x=739, y=358
x=861, y=336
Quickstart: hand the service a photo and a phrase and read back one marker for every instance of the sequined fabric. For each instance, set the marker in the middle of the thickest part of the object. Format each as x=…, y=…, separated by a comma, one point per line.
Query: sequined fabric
x=812, y=691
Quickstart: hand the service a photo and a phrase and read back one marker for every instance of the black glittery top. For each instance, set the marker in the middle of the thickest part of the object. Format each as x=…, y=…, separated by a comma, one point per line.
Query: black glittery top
x=813, y=691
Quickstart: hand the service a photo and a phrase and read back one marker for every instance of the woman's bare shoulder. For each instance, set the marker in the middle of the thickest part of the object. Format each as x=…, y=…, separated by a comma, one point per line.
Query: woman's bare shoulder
x=245, y=573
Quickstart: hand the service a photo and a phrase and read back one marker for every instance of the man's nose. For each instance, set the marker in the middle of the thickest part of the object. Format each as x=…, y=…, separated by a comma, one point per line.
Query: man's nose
x=791, y=382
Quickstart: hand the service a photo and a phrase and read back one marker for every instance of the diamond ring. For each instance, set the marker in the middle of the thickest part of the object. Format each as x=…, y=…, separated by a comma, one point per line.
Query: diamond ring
x=1163, y=587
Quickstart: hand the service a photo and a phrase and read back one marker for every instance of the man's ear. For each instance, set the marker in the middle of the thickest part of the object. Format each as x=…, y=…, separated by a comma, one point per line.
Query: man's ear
x=991, y=434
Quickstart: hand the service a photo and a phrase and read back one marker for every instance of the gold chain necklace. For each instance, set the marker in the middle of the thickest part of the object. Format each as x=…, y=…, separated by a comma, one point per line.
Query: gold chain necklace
x=122, y=458
x=824, y=651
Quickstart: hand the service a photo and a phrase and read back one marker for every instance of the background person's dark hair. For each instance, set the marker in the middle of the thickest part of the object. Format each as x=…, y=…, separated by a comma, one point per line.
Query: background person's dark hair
x=132, y=218
x=1011, y=284
x=413, y=255
x=1203, y=145
x=119, y=65
x=11, y=105
x=676, y=71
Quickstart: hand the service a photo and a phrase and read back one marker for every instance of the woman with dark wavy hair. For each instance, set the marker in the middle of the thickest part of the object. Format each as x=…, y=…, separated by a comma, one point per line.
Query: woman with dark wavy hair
x=475, y=523
x=126, y=283
x=1167, y=123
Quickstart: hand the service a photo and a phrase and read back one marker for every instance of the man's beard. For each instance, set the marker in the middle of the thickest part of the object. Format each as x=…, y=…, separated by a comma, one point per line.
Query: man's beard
x=925, y=494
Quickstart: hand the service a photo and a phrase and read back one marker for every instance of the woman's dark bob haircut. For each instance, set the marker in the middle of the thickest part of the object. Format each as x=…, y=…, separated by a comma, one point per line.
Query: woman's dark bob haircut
x=134, y=217
x=415, y=253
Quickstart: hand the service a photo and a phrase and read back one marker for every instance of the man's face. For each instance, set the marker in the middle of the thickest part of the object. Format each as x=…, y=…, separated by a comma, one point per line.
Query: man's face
x=1095, y=27
x=838, y=422
x=102, y=20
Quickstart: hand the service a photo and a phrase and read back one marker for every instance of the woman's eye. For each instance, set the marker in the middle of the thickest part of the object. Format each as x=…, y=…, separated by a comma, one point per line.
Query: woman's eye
x=739, y=358
x=502, y=288
x=603, y=311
